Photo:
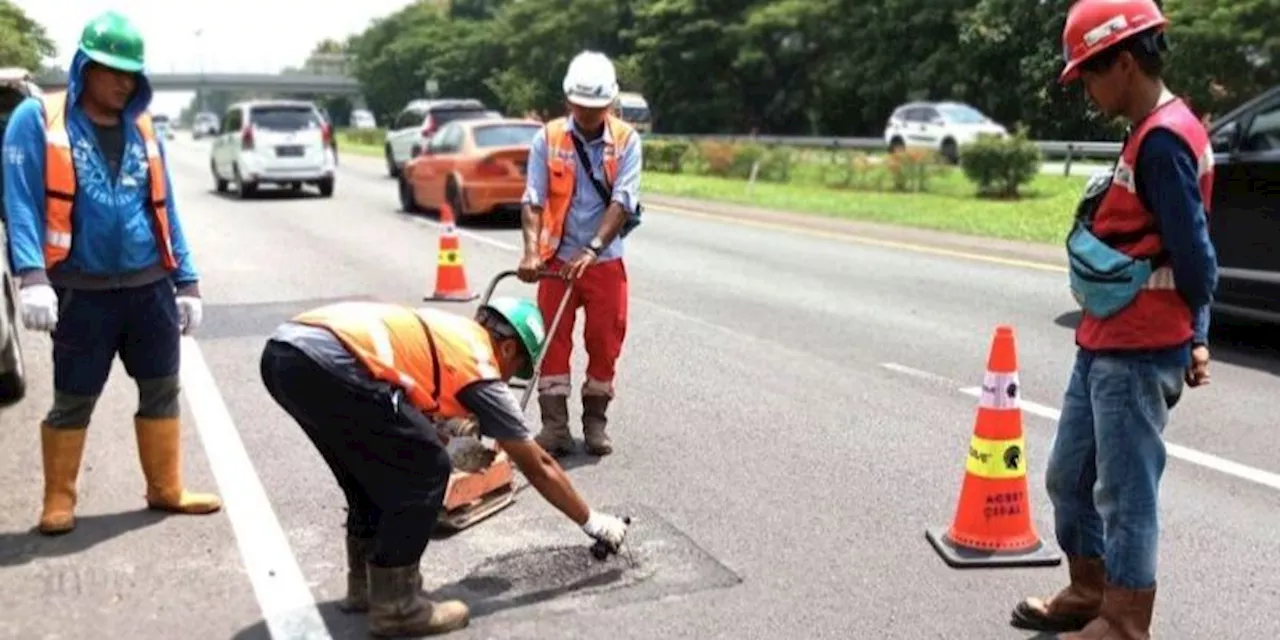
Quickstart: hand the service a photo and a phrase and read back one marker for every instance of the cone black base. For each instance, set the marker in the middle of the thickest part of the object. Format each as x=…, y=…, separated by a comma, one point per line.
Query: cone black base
x=461, y=297
x=958, y=557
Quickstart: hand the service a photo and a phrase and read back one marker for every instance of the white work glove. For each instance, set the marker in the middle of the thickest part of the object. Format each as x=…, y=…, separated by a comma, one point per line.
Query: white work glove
x=190, y=313
x=39, y=307
x=606, y=528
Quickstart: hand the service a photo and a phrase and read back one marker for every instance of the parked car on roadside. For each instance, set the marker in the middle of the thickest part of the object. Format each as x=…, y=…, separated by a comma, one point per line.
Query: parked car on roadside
x=1244, y=220
x=15, y=86
x=421, y=119
x=277, y=142
x=477, y=166
x=944, y=127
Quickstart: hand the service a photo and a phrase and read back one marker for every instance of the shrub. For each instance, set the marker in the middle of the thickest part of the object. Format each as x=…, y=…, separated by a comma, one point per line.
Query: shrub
x=667, y=156
x=852, y=170
x=910, y=169
x=365, y=137
x=716, y=158
x=775, y=162
x=998, y=166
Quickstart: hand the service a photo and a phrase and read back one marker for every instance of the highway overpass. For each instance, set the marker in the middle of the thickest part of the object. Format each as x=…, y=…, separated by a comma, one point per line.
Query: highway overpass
x=284, y=83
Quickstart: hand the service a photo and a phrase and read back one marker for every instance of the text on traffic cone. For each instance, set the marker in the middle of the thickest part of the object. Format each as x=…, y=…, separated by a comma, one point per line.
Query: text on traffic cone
x=992, y=525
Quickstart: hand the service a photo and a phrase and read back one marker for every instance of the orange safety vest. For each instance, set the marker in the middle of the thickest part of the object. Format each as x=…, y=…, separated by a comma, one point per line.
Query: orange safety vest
x=562, y=167
x=430, y=354
x=60, y=185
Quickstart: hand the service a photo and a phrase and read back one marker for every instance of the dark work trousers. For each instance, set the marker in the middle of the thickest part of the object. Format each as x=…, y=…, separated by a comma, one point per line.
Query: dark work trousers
x=394, y=474
x=140, y=324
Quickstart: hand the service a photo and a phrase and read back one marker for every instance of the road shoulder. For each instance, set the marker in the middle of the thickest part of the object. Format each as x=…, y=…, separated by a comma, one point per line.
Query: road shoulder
x=1048, y=255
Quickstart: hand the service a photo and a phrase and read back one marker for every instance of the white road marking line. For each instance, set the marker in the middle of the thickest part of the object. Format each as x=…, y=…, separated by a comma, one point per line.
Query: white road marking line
x=1186, y=454
x=470, y=234
x=916, y=373
x=288, y=606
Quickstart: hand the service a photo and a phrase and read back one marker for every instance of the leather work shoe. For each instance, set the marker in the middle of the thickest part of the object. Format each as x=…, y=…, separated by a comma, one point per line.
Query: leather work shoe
x=1126, y=615
x=1071, y=608
x=399, y=609
x=357, y=599
x=555, y=437
x=594, y=420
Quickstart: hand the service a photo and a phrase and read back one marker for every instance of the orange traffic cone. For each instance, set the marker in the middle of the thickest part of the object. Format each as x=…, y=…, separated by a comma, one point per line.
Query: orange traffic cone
x=992, y=525
x=451, y=276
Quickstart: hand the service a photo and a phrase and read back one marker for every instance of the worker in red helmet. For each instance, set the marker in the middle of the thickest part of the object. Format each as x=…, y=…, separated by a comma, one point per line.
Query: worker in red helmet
x=1144, y=272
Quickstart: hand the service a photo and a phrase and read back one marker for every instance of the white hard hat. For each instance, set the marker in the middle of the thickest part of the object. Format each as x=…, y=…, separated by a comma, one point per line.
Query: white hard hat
x=591, y=80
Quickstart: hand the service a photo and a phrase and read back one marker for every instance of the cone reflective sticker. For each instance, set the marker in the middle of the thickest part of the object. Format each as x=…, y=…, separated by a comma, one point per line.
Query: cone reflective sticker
x=992, y=526
x=451, y=275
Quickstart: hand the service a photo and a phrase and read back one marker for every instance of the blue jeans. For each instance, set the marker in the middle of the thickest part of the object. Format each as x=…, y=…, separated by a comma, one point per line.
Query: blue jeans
x=1108, y=456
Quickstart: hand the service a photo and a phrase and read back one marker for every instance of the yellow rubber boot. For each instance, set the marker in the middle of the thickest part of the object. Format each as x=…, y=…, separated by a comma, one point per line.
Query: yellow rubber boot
x=62, y=451
x=160, y=451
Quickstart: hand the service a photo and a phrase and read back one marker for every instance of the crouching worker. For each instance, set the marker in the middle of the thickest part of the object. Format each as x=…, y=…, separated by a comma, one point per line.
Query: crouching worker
x=368, y=382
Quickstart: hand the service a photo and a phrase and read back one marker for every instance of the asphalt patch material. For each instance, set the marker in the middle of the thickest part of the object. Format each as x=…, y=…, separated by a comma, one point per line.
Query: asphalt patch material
x=537, y=566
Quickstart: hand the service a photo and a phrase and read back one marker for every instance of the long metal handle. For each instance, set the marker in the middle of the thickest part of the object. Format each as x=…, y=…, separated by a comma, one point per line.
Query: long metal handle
x=542, y=352
x=503, y=275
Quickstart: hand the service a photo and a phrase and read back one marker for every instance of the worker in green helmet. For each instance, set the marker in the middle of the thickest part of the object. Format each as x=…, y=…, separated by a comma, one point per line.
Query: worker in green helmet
x=373, y=386
x=114, y=278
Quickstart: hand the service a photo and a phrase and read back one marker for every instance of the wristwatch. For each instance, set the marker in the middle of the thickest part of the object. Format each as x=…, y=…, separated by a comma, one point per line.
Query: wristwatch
x=596, y=245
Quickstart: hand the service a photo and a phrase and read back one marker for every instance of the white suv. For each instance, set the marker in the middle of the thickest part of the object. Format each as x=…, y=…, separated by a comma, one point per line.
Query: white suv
x=279, y=142
x=941, y=126
x=421, y=119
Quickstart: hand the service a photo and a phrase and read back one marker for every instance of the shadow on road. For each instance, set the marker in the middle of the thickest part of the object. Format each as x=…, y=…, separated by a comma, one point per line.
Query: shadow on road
x=1238, y=341
x=268, y=193
x=19, y=548
x=501, y=220
x=509, y=581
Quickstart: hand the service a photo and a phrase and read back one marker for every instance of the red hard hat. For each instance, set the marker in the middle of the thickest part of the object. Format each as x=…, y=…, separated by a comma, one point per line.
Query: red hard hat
x=1094, y=25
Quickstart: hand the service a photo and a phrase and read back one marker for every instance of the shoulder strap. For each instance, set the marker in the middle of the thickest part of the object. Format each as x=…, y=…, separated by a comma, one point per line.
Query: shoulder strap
x=605, y=194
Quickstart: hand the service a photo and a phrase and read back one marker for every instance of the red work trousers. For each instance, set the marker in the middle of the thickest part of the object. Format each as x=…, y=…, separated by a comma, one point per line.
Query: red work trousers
x=602, y=294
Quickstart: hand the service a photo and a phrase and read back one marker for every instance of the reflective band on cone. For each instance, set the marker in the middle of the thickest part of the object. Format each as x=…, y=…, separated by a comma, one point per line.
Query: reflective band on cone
x=992, y=526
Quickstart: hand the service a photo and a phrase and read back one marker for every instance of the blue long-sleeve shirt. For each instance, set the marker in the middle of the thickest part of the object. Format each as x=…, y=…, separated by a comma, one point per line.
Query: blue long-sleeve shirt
x=586, y=210
x=1168, y=183
x=113, y=240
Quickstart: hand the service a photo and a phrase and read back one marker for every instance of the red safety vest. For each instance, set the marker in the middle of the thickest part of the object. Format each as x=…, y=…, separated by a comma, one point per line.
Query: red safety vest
x=1158, y=317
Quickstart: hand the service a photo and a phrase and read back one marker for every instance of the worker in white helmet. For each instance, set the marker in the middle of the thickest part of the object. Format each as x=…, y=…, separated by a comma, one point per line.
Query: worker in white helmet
x=581, y=198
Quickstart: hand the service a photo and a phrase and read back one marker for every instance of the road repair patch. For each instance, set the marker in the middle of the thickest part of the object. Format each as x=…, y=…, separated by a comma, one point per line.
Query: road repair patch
x=538, y=566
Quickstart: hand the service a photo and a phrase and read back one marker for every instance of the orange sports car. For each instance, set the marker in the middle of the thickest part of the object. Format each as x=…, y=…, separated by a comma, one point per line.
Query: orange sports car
x=477, y=166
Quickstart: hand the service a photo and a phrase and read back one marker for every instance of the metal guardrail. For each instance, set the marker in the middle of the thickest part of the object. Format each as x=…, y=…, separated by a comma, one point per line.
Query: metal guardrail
x=1065, y=150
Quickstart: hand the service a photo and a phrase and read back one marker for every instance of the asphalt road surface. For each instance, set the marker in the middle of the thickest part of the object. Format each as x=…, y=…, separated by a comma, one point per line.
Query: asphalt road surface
x=791, y=418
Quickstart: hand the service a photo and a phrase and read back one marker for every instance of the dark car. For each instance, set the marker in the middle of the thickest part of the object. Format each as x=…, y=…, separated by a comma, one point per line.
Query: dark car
x=1244, y=220
x=15, y=86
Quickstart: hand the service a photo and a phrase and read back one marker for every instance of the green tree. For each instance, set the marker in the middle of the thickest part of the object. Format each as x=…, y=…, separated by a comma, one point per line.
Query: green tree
x=23, y=42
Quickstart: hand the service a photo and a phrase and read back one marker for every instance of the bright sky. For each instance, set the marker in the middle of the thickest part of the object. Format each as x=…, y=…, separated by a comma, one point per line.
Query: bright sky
x=238, y=35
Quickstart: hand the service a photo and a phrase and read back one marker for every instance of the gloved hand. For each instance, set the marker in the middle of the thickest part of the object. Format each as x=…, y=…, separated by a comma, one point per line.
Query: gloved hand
x=190, y=314
x=610, y=530
x=39, y=307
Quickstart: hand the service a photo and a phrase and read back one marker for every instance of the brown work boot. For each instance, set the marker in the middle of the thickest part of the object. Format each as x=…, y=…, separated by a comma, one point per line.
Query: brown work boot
x=594, y=421
x=63, y=449
x=555, y=436
x=160, y=452
x=1073, y=607
x=1126, y=615
x=399, y=609
x=357, y=600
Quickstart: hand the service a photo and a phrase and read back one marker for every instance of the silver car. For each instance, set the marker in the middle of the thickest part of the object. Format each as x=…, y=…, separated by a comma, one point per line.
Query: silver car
x=15, y=86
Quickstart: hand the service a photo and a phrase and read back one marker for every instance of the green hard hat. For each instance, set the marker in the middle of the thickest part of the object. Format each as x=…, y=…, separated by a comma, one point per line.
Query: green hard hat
x=111, y=40
x=523, y=315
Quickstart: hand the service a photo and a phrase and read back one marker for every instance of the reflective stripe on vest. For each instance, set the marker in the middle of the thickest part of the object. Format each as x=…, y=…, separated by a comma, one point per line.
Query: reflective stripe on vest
x=430, y=354
x=562, y=168
x=1158, y=317
x=60, y=185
